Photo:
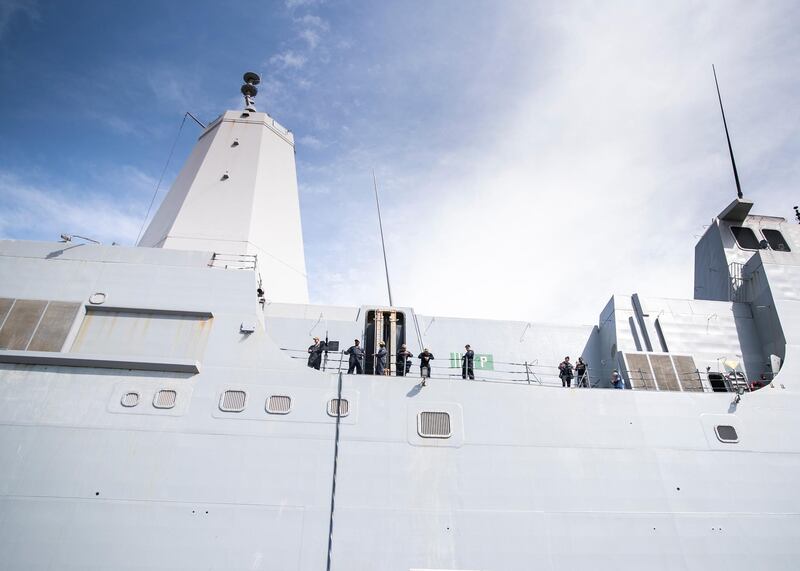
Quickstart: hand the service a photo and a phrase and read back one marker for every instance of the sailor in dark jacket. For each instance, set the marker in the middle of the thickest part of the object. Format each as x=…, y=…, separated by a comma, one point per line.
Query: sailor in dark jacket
x=356, y=358
x=425, y=359
x=380, y=359
x=404, y=360
x=467, y=363
x=315, y=354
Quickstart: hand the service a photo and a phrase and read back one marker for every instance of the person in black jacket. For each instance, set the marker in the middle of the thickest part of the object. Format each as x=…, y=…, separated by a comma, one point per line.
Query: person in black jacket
x=467, y=363
x=404, y=360
x=356, y=362
x=581, y=379
x=565, y=372
x=425, y=359
x=315, y=354
x=380, y=359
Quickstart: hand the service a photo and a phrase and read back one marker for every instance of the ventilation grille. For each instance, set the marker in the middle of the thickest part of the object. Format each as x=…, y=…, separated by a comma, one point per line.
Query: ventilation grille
x=342, y=407
x=279, y=404
x=165, y=399
x=233, y=401
x=434, y=425
x=130, y=399
x=726, y=433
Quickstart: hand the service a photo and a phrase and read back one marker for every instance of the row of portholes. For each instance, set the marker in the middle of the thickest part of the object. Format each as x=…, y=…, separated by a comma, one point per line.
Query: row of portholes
x=165, y=398
x=236, y=401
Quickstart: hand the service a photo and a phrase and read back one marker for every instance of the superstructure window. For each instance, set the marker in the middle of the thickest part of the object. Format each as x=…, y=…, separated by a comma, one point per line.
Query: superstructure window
x=776, y=240
x=745, y=237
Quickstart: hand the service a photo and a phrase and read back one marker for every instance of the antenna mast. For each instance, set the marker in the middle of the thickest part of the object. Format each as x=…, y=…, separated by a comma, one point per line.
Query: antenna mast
x=383, y=244
x=727, y=136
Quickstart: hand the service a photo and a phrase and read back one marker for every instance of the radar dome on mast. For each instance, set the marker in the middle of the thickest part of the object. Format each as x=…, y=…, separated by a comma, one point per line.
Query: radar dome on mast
x=249, y=90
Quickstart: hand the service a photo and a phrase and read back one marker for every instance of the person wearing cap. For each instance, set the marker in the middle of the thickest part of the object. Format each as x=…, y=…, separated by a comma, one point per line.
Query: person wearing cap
x=404, y=360
x=380, y=359
x=616, y=380
x=565, y=372
x=425, y=359
x=356, y=362
x=315, y=354
x=467, y=363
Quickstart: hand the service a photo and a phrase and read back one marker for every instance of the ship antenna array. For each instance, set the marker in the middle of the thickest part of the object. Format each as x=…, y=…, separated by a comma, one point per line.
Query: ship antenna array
x=727, y=135
x=383, y=244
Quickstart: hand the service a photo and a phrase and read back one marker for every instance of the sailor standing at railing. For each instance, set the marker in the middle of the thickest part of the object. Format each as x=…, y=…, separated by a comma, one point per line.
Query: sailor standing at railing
x=380, y=359
x=356, y=362
x=565, y=372
x=468, y=363
x=315, y=354
x=581, y=379
x=425, y=359
x=404, y=360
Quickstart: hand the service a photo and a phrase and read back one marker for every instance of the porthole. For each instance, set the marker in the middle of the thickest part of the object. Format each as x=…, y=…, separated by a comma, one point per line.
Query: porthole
x=342, y=407
x=434, y=425
x=726, y=433
x=233, y=401
x=129, y=400
x=165, y=398
x=279, y=404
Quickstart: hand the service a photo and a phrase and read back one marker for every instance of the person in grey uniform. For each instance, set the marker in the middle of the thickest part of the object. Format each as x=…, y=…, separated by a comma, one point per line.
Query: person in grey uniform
x=404, y=360
x=380, y=359
x=356, y=362
x=565, y=372
x=315, y=354
x=467, y=363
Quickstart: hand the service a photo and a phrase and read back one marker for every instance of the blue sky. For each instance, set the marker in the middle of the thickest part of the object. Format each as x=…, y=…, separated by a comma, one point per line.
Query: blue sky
x=533, y=158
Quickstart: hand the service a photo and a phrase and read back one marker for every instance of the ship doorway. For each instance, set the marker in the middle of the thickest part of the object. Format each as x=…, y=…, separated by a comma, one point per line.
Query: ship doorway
x=717, y=382
x=389, y=326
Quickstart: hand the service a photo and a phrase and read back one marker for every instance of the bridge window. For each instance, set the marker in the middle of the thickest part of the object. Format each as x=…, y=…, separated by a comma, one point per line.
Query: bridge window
x=776, y=240
x=745, y=238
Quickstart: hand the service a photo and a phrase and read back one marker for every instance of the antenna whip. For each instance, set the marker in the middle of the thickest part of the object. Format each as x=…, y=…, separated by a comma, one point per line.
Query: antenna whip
x=727, y=136
x=383, y=244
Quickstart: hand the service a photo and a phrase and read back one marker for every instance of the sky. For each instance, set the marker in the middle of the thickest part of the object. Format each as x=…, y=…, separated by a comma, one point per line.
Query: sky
x=533, y=158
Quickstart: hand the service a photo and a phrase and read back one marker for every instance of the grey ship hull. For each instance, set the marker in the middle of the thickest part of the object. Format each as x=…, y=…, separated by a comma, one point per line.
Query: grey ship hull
x=532, y=476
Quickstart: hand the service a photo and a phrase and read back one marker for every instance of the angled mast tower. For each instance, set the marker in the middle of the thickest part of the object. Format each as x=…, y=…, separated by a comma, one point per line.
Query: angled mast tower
x=237, y=195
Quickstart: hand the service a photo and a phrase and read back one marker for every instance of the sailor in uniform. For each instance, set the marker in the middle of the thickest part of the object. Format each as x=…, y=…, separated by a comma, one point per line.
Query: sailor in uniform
x=315, y=354
x=380, y=359
x=404, y=360
x=356, y=358
x=467, y=363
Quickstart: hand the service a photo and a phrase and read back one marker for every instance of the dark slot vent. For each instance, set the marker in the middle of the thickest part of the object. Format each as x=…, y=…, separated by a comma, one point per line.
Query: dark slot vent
x=776, y=240
x=434, y=425
x=343, y=407
x=279, y=404
x=745, y=237
x=726, y=433
x=165, y=398
x=233, y=401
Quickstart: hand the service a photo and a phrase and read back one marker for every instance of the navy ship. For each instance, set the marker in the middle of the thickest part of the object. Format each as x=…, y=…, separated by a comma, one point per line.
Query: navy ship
x=157, y=410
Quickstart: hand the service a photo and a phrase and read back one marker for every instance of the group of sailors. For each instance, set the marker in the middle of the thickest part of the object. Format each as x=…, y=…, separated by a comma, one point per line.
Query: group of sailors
x=566, y=372
x=357, y=354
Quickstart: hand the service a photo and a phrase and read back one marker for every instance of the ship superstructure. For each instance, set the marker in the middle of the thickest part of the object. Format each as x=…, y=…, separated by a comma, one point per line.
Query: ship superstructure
x=156, y=410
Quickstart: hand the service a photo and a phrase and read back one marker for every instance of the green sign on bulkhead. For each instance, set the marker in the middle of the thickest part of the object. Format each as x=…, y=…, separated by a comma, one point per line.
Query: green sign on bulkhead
x=483, y=361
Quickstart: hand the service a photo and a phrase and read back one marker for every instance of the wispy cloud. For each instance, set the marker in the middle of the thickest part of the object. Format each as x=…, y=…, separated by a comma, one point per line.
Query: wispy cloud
x=311, y=37
x=288, y=60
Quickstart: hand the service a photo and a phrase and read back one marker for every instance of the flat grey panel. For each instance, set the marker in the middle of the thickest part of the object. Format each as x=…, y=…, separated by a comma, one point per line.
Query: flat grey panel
x=142, y=334
x=687, y=372
x=54, y=327
x=21, y=323
x=639, y=371
x=5, y=307
x=665, y=374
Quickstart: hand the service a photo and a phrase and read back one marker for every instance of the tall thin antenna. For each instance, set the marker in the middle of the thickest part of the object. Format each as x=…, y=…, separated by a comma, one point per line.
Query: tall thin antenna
x=383, y=244
x=727, y=136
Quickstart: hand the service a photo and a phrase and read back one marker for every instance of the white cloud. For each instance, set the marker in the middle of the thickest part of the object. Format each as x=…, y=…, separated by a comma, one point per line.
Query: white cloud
x=288, y=60
x=595, y=178
x=311, y=141
x=292, y=4
x=44, y=210
x=313, y=21
x=311, y=37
